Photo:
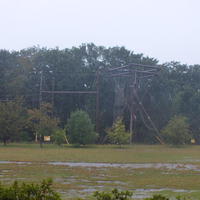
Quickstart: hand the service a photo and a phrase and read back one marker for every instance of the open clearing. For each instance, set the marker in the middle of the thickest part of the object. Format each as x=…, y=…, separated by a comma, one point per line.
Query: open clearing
x=143, y=169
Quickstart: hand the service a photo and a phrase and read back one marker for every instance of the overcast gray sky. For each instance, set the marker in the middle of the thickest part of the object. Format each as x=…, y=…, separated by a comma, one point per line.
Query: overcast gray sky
x=165, y=29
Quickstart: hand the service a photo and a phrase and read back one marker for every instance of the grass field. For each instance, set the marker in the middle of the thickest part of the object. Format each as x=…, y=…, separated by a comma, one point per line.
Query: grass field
x=143, y=176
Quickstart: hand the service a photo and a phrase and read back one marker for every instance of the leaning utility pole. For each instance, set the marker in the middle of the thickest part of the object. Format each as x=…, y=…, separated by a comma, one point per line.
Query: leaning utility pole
x=134, y=73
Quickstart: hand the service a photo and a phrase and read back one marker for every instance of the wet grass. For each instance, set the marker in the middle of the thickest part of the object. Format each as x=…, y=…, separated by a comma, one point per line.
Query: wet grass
x=86, y=180
x=101, y=153
x=80, y=181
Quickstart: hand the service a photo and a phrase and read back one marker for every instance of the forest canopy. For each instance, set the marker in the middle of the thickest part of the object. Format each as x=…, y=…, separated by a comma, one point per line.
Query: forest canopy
x=174, y=91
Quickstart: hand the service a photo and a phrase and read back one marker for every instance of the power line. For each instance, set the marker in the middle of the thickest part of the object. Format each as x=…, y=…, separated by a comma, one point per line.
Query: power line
x=68, y=92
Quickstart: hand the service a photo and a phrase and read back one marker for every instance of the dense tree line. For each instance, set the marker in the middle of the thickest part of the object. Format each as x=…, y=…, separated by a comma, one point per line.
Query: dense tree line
x=175, y=91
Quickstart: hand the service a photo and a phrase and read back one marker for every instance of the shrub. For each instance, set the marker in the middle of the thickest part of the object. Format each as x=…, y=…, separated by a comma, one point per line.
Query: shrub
x=80, y=128
x=59, y=136
x=117, y=134
x=25, y=191
x=25, y=136
x=158, y=197
x=113, y=195
x=176, y=131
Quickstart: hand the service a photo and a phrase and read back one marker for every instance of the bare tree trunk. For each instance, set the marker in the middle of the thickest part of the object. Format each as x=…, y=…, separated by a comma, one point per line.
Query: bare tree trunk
x=41, y=142
x=4, y=142
x=131, y=126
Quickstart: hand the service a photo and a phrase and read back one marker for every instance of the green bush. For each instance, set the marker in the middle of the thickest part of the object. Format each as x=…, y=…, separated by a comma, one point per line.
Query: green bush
x=157, y=197
x=80, y=128
x=113, y=195
x=117, y=134
x=126, y=195
x=176, y=131
x=25, y=191
x=59, y=136
x=26, y=136
x=44, y=191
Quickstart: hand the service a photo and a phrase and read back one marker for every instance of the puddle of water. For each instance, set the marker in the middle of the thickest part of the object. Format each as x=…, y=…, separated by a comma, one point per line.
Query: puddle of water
x=85, y=191
x=146, y=193
x=66, y=180
x=181, y=190
x=191, y=160
x=14, y=162
x=6, y=179
x=140, y=196
x=137, y=193
x=169, y=173
x=169, y=166
x=113, y=182
x=11, y=179
x=5, y=170
x=89, y=190
x=160, y=190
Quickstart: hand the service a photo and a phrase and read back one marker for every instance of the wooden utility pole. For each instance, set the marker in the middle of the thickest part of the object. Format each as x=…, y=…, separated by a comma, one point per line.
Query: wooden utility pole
x=97, y=102
x=40, y=104
x=40, y=97
x=131, y=126
x=52, y=94
x=95, y=92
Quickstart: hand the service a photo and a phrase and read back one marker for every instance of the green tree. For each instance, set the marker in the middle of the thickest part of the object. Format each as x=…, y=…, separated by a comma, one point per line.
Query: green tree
x=59, y=136
x=80, y=128
x=175, y=91
x=117, y=134
x=42, y=121
x=176, y=131
x=12, y=120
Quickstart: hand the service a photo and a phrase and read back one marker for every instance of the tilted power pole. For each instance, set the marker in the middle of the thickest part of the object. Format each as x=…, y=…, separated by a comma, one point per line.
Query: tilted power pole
x=134, y=73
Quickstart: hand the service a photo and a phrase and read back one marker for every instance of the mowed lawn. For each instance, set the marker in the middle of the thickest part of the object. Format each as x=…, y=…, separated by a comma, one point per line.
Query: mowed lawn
x=77, y=181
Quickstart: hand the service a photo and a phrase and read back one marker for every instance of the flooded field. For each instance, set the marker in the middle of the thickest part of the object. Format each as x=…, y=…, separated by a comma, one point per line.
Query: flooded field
x=78, y=172
x=80, y=179
x=130, y=165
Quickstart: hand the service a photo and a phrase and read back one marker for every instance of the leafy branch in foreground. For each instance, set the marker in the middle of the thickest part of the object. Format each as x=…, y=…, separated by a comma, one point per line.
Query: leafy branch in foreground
x=26, y=191
x=44, y=191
